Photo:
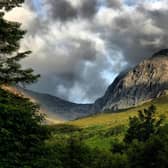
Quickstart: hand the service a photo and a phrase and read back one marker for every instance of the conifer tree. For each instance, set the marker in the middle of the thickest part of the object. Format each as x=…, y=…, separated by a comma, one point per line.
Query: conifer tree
x=144, y=125
x=11, y=71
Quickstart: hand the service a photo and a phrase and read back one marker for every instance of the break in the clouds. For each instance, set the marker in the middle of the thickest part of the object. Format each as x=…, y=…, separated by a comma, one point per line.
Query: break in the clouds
x=79, y=46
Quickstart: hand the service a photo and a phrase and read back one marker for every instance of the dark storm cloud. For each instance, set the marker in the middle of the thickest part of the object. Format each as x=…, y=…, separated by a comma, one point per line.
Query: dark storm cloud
x=114, y=3
x=61, y=9
x=65, y=11
x=159, y=18
x=88, y=8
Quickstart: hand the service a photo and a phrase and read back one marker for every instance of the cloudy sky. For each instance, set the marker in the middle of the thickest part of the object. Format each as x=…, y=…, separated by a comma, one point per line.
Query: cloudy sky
x=79, y=46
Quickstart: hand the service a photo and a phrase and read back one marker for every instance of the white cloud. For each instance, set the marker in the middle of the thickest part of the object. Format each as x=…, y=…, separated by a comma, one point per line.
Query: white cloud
x=23, y=15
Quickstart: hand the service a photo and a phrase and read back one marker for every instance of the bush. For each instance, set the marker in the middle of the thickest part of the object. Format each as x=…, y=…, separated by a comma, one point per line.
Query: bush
x=143, y=126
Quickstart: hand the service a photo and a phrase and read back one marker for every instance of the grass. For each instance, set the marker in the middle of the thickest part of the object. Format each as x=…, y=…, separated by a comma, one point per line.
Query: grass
x=121, y=117
x=99, y=131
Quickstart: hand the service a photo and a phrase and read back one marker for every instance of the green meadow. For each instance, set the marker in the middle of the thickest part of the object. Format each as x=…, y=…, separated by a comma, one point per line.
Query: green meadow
x=101, y=130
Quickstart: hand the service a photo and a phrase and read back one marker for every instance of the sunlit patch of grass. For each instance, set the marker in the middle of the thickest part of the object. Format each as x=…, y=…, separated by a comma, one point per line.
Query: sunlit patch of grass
x=121, y=117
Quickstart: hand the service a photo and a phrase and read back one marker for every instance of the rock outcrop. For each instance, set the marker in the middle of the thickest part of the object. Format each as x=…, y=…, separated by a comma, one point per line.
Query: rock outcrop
x=146, y=81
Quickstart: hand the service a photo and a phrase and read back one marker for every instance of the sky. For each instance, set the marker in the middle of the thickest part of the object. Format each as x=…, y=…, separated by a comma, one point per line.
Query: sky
x=80, y=46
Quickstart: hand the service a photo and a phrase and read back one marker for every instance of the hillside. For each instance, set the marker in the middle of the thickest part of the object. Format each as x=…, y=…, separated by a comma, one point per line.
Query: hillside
x=55, y=109
x=59, y=108
x=122, y=116
x=101, y=130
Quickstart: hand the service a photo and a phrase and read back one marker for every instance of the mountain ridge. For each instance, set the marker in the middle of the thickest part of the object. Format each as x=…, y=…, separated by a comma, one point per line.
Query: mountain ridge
x=57, y=107
x=146, y=81
x=163, y=52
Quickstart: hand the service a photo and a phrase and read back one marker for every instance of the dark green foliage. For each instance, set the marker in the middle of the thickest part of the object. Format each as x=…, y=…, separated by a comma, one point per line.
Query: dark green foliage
x=63, y=129
x=52, y=156
x=71, y=153
x=10, y=35
x=115, y=130
x=24, y=142
x=146, y=141
x=150, y=154
x=118, y=147
x=74, y=153
x=143, y=126
x=9, y=4
x=21, y=133
x=106, y=159
x=77, y=155
x=11, y=71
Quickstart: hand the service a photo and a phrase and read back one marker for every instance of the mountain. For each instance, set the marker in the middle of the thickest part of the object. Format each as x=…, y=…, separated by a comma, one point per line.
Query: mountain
x=146, y=81
x=56, y=108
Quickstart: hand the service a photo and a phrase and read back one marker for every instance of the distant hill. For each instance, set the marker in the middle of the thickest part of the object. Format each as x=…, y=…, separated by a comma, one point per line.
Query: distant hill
x=57, y=108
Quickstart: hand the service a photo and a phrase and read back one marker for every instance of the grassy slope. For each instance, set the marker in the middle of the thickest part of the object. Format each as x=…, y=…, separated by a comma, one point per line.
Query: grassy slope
x=100, y=130
x=115, y=119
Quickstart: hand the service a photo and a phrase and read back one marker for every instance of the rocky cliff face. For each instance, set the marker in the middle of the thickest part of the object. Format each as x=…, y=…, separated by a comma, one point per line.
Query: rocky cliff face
x=146, y=81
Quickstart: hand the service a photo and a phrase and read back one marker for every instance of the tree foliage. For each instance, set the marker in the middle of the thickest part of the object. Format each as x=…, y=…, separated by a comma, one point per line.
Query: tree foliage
x=11, y=33
x=21, y=133
x=9, y=4
x=144, y=125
